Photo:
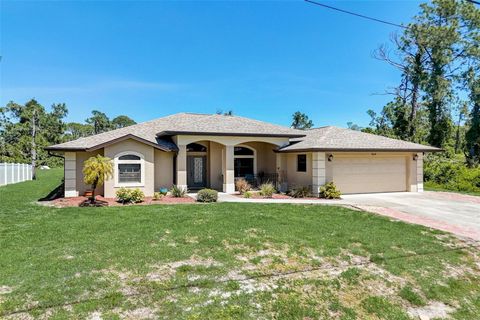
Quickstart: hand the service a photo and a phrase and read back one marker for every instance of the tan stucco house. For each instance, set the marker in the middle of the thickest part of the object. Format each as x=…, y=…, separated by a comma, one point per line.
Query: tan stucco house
x=201, y=150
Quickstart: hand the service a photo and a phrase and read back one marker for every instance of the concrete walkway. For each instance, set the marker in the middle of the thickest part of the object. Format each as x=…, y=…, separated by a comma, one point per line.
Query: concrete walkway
x=446, y=211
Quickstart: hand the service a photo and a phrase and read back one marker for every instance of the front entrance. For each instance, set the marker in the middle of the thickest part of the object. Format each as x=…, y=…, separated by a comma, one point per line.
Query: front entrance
x=196, y=172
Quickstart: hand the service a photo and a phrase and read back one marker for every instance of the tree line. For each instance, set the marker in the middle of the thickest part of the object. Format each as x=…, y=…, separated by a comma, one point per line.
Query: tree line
x=437, y=100
x=25, y=129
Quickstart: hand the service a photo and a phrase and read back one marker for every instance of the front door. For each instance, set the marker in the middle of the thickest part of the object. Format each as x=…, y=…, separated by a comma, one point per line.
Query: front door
x=196, y=172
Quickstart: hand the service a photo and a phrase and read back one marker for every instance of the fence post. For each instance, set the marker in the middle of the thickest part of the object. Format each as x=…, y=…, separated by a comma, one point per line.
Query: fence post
x=5, y=171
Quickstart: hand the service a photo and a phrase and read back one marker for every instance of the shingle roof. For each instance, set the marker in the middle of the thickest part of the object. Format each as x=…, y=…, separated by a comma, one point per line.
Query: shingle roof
x=338, y=139
x=154, y=132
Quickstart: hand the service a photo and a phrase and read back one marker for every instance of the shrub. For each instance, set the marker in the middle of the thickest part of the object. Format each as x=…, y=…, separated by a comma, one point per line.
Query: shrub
x=329, y=191
x=300, y=192
x=178, y=192
x=242, y=185
x=136, y=195
x=267, y=190
x=125, y=195
x=207, y=195
x=158, y=195
x=451, y=174
x=247, y=194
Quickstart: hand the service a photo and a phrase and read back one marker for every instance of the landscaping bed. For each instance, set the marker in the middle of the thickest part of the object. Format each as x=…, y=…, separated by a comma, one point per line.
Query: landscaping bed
x=78, y=201
x=257, y=195
x=225, y=261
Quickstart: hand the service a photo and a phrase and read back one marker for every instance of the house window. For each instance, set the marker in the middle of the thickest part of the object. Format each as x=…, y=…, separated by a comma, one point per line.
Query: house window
x=302, y=163
x=129, y=172
x=130, y=169
x=243, y=162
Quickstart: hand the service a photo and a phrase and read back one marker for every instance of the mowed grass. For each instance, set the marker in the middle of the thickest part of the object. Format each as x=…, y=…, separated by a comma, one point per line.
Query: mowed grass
x=224, y=261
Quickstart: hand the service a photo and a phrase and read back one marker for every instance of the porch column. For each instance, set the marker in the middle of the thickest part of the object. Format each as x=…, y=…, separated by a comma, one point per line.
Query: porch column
x=70, y=174
x=318, y=171
x=282, y=179
x=228, y=172
x=420, y=172
x=182, y=167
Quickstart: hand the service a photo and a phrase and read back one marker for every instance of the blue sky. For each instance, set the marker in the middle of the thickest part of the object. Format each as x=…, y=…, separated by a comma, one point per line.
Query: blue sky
x=147, y=59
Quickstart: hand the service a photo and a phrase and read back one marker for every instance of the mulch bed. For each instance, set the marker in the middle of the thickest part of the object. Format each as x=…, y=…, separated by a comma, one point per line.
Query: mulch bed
x=80, y=201
x=256, y=195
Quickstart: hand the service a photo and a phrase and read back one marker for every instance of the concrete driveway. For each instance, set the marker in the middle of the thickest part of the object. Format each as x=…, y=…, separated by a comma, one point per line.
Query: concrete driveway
x=451, y=212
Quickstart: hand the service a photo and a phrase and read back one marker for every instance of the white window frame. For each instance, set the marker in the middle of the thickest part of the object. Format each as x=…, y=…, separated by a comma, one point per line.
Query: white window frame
x=247, y=156
x=117, y=161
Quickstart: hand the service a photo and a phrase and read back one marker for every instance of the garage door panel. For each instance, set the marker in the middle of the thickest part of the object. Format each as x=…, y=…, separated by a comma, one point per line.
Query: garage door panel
x=364, y=174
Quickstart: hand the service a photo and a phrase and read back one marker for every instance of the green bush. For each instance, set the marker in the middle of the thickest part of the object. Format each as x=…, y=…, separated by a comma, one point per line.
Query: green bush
x=329, y=191
x=125, y=195
x=267, y=190
x=247, y=194
x=158, y=195
x=451, y=174
x=136, y=195
x=178, y=192
x=242, y=185
x=207, y=195
x=300, y=192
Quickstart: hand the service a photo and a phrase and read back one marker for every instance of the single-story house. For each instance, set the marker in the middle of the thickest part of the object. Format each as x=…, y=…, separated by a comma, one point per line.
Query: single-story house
x=202, y=150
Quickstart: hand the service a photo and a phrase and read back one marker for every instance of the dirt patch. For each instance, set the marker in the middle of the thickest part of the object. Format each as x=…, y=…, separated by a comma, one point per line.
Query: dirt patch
x=166, y=271
x=433, y=310
x=138, y=314
x=5, y=289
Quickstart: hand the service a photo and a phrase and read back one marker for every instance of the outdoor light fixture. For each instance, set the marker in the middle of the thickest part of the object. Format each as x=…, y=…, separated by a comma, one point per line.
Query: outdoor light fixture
x=330, y=157
x=415, y=157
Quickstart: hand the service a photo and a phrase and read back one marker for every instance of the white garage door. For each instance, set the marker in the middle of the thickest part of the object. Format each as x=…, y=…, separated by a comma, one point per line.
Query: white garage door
x=370, y=174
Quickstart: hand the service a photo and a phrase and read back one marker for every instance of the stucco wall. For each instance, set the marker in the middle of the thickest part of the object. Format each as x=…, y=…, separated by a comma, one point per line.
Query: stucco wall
x=298, y=179
x=163, y=169
x=215, y=165
x=148, y=153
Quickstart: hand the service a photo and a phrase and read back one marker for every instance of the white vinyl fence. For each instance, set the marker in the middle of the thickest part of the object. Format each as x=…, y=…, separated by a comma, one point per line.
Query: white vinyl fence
x=14, y=172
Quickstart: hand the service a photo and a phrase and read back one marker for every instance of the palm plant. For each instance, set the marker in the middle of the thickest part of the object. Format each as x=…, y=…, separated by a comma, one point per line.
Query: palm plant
x=95, y=171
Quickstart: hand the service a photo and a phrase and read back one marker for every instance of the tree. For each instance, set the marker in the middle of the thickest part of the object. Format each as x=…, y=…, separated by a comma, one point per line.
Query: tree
x=27, y=129
x=301, y=121
x=472, y=135
x=122, y=122
x=75, y=130
x=354, y=126
x=99, y=121
x=95, y=171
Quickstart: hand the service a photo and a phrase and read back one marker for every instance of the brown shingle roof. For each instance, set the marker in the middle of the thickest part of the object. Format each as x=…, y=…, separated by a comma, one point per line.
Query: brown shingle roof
x=154, y=131
x=339, y=139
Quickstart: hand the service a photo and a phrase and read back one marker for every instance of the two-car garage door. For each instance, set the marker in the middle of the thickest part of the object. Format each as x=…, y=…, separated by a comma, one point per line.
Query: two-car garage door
x=363, y=174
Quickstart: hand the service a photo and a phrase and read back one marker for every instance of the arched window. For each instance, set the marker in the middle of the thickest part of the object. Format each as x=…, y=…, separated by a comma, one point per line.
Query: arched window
x=129, y=169
x=196, y=147
x=245, y=165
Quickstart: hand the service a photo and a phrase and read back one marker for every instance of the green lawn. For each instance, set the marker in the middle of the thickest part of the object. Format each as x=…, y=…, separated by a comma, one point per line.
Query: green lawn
x=220, y=261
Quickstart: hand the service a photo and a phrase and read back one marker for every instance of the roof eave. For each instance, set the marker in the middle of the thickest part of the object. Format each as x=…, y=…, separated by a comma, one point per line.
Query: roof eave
x=272, y=135
x=358, y=150
x=102, y=145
